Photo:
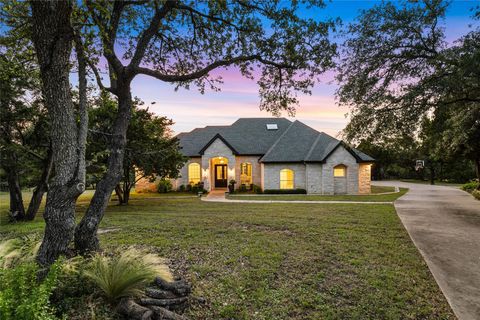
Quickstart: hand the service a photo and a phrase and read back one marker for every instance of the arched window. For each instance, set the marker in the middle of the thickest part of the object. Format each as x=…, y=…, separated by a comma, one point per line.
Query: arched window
x=286, y=179
x=340, y=171
x=245, y=173
x=194, y=173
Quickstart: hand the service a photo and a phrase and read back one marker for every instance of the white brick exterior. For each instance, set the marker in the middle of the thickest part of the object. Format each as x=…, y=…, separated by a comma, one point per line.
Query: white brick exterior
x=316, y=178
x=271, y=175
x=340, y=156
x=256, y=170
x=217, y=149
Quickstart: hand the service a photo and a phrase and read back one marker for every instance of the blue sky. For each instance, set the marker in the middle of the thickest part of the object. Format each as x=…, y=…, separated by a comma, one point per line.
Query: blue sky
x=239, y=97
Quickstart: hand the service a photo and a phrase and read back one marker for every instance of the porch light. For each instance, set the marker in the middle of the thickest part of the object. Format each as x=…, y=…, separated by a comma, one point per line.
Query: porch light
x=221, y=161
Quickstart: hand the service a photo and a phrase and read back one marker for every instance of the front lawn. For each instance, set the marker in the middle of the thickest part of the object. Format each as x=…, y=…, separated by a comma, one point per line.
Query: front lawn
x=304, y=197
x=279, y=261
x=382, y=189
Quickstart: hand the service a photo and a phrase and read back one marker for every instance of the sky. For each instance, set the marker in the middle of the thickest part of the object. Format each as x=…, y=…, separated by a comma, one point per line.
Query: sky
x=238, y=98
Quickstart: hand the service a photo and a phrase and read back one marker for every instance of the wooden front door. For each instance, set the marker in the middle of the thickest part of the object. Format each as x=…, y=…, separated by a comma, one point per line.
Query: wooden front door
x=221, y=176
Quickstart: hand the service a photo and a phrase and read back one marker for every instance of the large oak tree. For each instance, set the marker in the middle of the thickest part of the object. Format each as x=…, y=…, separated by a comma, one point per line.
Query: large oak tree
x=182, y=42
x=398, y=73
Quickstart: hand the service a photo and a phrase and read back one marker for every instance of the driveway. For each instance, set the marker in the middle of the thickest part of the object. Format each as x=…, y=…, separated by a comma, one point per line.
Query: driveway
x=444, y=224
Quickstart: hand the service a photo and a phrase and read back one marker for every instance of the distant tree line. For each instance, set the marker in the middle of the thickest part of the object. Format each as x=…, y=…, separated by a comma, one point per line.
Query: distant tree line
x=411, y=94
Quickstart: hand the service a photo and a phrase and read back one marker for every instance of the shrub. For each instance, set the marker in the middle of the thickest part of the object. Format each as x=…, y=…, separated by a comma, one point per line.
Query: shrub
x=15, y=251
x=126, y=274
x=181, y=188
x=470, y=186
x=196, y=188
x=476, y=194
x=256, y=189
x=285, y=191
x=22, y=297
x=164, y=186
x=242, y=188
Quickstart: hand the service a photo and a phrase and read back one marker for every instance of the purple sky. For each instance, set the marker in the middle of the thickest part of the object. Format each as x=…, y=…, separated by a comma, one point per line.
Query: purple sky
x=239, y=96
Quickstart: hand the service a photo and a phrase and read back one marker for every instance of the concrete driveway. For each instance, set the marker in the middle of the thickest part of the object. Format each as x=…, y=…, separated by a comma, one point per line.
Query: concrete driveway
x=444, y=224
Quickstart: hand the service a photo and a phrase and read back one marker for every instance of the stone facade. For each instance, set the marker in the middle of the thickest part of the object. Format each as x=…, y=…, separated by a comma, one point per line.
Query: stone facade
x=364, y=178
x=316, y=178
x=183, y=177
x=340, y=156
x=217, y=149
x=271, y=175
x=256, y=170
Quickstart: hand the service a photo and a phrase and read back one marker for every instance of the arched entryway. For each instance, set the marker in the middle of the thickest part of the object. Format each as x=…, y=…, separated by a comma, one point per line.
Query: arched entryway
x=340, y=179
x=219, y=175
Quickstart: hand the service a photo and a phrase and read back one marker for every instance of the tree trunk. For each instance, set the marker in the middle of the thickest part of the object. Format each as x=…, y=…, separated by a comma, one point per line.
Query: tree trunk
x=17, y=209
x=41, y=188
x=126, y=193
x=477, y=170
x=119, y=193
x=86, y=232
x=52, y=36
x=432, y=175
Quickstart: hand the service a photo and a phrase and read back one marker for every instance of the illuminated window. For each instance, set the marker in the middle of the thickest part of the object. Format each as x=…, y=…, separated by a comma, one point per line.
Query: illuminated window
x=194, y=173
x=246, y=173
x=286, y=179
x=339, y=171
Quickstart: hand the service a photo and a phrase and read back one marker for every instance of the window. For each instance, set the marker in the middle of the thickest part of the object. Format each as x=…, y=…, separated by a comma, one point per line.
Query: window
x=245, y=173
x=339, y=171
x=193, y=173
x=272, y=126
x=286, y=179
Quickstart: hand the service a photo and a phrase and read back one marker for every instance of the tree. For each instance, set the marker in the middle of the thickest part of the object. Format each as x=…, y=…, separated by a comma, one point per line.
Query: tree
x=397, y=72
x=182, y=42
x=53, y=35
x=24, y=142
x=151, y=151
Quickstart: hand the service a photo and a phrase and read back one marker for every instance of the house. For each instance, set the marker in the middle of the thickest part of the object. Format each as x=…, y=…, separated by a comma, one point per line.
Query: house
x=273, y=153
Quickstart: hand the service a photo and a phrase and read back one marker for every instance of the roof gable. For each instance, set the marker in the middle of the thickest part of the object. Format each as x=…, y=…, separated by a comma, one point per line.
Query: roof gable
x=218, y=136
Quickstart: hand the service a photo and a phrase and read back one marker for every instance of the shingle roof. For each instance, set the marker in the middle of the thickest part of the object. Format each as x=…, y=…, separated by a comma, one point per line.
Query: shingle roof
x=292, y=142
x=246, y=135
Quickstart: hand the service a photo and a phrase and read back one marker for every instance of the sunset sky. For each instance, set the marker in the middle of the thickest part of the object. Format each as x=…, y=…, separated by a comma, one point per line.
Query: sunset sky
x=239, y=96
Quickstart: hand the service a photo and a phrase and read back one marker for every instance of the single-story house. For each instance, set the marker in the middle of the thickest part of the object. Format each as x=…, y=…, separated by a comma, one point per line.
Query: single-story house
x=273, y=153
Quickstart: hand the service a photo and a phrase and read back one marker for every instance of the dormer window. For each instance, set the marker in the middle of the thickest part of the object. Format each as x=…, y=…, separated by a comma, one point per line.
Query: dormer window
x=272, y=126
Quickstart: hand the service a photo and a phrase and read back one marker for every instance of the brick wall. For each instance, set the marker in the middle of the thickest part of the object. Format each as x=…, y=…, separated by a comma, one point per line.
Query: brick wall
x=217, y=149
x=364, y=178
x=314, y=178
x=272, y=175
x=256, y=170
x=183, y=178
x=340, y=156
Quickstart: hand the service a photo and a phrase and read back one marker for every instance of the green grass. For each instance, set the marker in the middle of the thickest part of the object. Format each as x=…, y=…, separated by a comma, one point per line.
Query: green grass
x=279, y=261
x=382, y=189
x=304, y=197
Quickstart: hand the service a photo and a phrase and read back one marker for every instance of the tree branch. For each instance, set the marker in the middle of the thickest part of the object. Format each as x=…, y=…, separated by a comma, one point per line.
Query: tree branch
x=148, y=33
x=203, y=72
x=209, y=17
x=98, y=78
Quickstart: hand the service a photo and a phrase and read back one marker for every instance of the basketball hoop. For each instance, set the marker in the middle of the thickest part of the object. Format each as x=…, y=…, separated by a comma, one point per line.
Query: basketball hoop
x=419, y=164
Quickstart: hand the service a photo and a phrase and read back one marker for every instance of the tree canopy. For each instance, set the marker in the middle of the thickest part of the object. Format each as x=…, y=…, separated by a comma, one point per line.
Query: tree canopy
x=398, y=73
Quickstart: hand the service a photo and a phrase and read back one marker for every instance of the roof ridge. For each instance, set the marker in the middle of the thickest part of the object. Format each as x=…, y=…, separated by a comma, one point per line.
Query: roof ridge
x=276, y=141
x=314, y=144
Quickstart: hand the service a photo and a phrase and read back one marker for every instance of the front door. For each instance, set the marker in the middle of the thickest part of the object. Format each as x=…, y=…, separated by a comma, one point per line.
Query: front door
x=221, y=176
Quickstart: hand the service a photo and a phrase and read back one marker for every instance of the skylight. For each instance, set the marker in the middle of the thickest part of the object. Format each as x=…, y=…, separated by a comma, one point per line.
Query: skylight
x=272, y=126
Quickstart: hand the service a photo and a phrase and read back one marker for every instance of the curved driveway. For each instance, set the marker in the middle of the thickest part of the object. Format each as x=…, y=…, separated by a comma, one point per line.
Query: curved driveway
x=444, y=224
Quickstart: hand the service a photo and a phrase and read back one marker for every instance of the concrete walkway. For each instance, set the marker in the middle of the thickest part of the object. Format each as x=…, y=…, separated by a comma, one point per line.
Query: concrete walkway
x=219, y=196
x=444, y=224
